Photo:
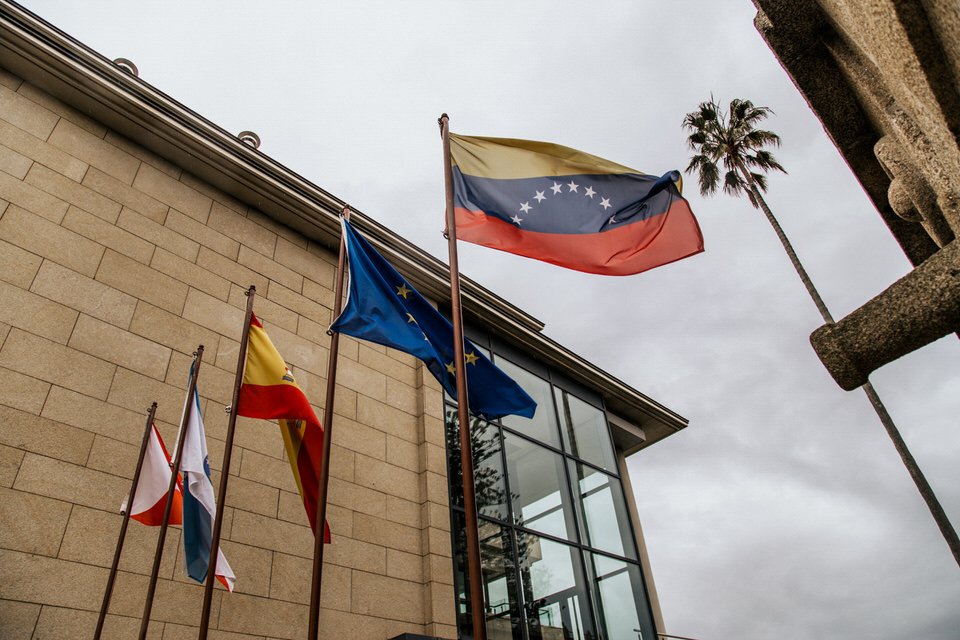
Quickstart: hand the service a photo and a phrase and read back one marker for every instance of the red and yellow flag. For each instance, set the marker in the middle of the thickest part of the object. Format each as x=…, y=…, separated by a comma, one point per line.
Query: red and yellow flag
x=269, y=391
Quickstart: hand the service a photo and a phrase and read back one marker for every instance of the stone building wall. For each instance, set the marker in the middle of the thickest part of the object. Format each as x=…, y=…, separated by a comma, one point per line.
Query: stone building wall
x=883, y=76
x=114, y=266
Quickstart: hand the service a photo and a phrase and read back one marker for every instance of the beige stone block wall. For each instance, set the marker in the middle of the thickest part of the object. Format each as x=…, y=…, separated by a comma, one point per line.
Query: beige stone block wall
x=114, y=266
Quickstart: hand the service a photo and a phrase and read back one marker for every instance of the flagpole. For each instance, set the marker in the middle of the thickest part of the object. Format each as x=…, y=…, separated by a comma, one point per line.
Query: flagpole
x=225, y=469
x=313, y=629
x=477, y=608
x=108, y=591
x=174, y=471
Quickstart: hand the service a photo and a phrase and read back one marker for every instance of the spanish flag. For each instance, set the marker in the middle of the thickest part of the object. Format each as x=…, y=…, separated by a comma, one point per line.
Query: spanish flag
x=270, y=392
x=572, y=209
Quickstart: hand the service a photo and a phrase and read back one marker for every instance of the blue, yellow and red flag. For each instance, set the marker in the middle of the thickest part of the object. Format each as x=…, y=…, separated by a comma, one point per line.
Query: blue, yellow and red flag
x=270, y=392
x=567, y=207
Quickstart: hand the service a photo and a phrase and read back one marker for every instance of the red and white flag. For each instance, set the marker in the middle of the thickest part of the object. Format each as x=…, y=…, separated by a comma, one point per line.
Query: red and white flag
x=150, y=497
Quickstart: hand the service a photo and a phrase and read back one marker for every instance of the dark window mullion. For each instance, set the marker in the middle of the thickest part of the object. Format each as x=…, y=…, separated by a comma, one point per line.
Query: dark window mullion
x=575, y=499
x=626, y=505
x=509, y=527
x=553, y=538
x=596, y=602
x=519, y=583
x=586, y=463
x=567, y=421
x=561, y=422
x=506, y=475
x=612, y=574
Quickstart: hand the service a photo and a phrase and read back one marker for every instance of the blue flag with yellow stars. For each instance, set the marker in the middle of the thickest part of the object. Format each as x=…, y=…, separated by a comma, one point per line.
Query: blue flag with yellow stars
x=382, y=307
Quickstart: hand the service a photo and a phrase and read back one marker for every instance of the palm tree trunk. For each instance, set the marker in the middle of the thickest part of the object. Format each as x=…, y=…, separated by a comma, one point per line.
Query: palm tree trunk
x=804, y=277
x=926, y=491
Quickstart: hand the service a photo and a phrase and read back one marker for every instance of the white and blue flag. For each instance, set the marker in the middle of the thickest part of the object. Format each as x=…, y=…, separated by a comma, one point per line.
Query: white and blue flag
x=199, y=505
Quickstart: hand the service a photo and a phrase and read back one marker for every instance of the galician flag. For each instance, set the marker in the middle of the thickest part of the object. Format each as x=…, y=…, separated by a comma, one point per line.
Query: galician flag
x=199, y=506
x=150, y=497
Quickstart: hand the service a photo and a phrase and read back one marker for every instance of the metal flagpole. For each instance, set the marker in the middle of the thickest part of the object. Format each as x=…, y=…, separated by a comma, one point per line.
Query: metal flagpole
x=466, y=458
x=225, y=470
x=108, y=591
x=174, y=472
x=313, y=629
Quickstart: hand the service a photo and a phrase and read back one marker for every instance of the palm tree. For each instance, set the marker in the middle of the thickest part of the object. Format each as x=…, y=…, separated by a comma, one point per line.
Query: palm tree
x=733, y=141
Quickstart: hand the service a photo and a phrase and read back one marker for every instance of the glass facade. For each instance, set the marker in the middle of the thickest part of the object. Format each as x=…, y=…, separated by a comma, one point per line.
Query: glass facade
x=558, y=553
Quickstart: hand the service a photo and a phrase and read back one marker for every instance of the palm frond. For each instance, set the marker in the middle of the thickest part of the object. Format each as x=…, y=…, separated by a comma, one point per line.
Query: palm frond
x=744, y=112
x=726, y=143
x=758, y=138
x=702, y=118
x=763, y=160
x=732, y=183
x=730, y=160
x=709, y=178
x=696, y=139
x=696, y=162
x=760, y=180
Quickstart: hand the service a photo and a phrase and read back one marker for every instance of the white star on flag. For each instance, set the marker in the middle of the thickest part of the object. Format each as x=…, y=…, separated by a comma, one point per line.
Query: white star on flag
x=539, y=197
x=589, y=192
x=573, y=186
x=556, y=188
x=525, y=207
x=517, y=219
x=605, y=203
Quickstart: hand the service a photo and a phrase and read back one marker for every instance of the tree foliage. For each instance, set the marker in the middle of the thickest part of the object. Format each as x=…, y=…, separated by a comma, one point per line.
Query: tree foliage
x=729, y=151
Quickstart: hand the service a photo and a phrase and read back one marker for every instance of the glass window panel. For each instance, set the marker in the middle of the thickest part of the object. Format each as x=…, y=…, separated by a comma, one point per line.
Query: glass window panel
x=543, y=425
x=500, y=583
x=535, y=587
x=538, y=488
x=489, y=483
x=584, y=429
x=554, y=590
x=605, y=523
x=621, y=600
x=503, y=613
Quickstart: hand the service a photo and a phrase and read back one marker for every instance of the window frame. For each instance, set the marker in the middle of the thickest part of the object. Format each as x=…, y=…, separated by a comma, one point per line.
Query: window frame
x=593, y=611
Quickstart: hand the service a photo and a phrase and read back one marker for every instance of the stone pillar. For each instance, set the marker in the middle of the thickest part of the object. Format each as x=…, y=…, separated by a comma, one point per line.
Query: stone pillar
x=921, y=307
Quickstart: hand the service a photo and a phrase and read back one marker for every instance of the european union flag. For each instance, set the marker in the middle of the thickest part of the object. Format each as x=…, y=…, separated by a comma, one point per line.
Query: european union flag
x=382, y=307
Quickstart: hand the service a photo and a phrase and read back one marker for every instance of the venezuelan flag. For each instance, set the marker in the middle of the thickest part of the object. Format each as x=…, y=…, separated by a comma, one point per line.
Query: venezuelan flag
x=269, y=391
x=567, y=207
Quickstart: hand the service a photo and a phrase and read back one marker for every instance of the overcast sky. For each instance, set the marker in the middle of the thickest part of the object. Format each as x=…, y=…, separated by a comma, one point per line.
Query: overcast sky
x=783, y=510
